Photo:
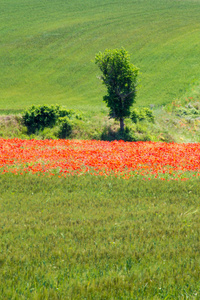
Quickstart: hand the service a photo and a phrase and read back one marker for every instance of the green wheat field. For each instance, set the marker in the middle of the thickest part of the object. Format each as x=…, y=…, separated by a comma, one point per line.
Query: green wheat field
x=47, y=49
x=87, y=237
x=95, y=238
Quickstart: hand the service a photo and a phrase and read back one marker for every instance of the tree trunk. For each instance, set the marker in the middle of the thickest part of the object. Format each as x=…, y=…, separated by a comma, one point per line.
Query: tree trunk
x=121, y=124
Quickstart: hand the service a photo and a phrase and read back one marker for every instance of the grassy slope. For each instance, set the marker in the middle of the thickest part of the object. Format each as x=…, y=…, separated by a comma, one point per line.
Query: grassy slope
x=46, y=48
x=94, y=238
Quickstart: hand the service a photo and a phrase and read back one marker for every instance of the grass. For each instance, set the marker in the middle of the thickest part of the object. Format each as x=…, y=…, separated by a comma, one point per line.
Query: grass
x=90, y=237
x=95, y=238
x=47, y=48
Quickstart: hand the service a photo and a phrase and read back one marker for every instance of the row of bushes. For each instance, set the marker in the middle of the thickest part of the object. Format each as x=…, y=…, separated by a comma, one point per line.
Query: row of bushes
x=41, y=118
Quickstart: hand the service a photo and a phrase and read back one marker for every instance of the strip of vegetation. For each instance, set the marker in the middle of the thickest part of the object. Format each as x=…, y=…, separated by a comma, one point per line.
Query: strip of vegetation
x=157, y=124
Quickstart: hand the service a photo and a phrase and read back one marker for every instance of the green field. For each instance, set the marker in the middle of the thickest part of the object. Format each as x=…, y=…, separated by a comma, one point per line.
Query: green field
x=94, y=238
x=87, y=237
x=47, y=48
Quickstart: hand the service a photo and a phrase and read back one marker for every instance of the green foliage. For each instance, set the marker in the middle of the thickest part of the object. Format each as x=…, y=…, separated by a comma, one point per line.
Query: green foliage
x=119, y=77
x=66, y=121
x=65, y=127
x=142, y=114
x=47, y=133
x=39, y=117
x=70, y=113
x=128, y=134
x=190, y=110
x=167, y=127
x=87, y=237
x=131, y=133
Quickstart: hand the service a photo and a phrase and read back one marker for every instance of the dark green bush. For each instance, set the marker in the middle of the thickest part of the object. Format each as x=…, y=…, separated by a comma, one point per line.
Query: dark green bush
x=144, y=113
x=65, y=127
x=129, y=134
x=39, y=117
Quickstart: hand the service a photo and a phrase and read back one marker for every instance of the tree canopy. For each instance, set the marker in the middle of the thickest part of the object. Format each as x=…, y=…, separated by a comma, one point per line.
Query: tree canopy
x=119, y=76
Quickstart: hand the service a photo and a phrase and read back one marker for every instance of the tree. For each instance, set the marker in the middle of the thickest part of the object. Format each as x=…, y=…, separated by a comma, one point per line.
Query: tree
x=119, y=77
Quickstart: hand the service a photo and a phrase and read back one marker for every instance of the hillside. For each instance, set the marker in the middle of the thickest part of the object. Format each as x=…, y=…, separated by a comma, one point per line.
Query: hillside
x=47, y=48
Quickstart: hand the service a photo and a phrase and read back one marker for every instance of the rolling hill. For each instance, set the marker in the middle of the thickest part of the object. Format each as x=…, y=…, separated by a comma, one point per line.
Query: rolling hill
x=47, y=49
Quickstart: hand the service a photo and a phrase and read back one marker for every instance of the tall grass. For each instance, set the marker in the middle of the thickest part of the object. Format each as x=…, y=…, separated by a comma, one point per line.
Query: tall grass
x=47, y=47
x=95, y=238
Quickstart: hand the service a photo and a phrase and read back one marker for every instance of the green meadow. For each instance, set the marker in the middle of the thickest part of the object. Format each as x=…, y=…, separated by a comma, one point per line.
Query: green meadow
x=47, y=50
x=90, y=237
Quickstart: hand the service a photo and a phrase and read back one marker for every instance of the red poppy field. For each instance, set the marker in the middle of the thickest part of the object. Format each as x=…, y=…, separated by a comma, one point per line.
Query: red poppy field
x=126, y=159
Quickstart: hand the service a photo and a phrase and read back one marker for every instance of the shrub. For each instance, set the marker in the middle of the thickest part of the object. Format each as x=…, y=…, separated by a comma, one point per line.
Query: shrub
x=111, y=134
x=70, y=113
x=39, y=117
x=188, y=111
x=65, y=127
x=142, y=114
x=48, y=133
x=129, y=134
